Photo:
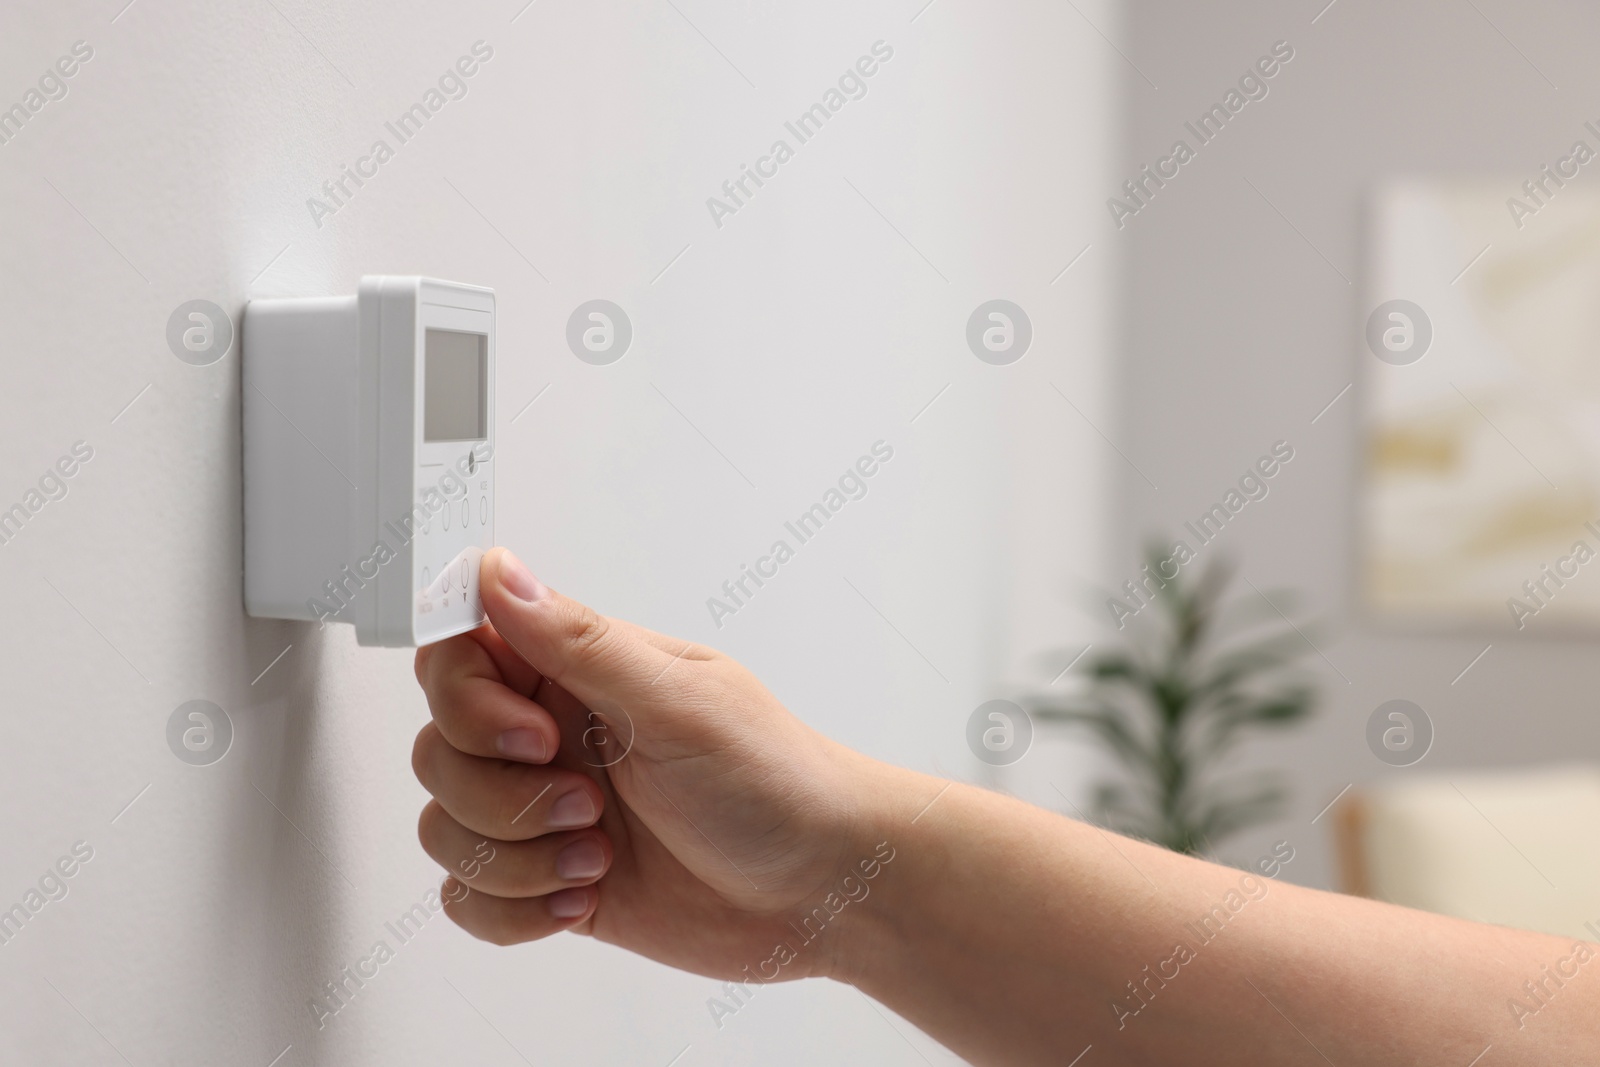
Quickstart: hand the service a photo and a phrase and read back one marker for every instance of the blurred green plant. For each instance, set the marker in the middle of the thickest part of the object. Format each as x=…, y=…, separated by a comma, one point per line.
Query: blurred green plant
x=1177, y=700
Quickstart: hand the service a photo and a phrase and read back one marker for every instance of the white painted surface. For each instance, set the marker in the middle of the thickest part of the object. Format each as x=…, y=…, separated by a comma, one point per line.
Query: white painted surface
x=805, y=328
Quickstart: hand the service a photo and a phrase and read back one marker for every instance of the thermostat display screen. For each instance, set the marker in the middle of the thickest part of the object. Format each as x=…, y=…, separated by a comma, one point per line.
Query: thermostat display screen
x=455, y=376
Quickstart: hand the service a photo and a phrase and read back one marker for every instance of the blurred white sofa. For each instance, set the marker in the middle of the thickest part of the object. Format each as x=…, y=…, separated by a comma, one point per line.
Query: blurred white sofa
x=1514, y=847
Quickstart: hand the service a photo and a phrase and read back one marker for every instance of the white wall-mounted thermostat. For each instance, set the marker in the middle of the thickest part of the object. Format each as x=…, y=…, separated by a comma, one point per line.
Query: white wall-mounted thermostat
x=369, y=457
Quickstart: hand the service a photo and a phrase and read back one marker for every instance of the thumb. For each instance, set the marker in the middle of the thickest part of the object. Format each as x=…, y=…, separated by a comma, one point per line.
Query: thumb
x=594, y=658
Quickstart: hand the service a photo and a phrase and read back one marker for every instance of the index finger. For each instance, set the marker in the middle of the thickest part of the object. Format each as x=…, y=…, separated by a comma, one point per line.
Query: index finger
x=476, y=712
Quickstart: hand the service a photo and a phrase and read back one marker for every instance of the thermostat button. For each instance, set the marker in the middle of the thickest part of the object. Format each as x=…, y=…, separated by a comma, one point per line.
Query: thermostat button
x=466, y=513
x=483, y=510
x=446, y=514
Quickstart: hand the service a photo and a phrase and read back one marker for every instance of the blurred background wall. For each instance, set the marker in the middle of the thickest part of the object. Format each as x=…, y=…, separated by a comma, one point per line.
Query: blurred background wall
x=1246, y=294
x=770, y=352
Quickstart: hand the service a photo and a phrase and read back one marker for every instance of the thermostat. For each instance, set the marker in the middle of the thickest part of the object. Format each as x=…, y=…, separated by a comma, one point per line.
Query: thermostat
x=369, y=457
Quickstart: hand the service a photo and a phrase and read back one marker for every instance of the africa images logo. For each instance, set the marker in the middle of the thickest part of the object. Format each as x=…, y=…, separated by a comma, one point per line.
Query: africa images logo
x=451, y=85
x=1142, y=188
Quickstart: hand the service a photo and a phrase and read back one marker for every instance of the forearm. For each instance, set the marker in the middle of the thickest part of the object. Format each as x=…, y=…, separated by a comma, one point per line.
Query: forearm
x=1017, y=936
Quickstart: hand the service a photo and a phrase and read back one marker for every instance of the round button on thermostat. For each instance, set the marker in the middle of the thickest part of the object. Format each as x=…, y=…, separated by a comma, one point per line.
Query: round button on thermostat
x=426, y=577
x=464, y=574
x=446, y=514
x=444, y=580
x=466, y=513
x=483, y=510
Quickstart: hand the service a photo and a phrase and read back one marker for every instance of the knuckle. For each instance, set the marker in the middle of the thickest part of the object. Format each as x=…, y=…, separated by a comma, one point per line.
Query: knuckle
x=429, y=825
x=511, y=806
x=422, y=752
x=441, y=666
x=471, y=920
x=502, y=930
x=587, y=633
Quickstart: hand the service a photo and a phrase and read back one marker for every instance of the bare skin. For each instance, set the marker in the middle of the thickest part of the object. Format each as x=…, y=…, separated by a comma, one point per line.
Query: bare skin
x=733, y=841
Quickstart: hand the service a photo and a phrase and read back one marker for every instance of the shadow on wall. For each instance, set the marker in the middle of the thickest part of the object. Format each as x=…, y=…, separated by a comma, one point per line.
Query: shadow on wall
x=284, y=824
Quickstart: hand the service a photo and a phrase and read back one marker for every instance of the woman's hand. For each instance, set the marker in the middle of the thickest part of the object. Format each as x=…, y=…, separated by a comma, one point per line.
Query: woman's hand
x=714, y=832
x=593, y=776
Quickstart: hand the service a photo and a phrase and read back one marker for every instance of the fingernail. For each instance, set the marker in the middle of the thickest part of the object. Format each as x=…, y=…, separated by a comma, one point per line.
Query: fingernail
x=579, y=860
x=518, y=580
x=569, y=903
x=571, y=811
x=523, y=743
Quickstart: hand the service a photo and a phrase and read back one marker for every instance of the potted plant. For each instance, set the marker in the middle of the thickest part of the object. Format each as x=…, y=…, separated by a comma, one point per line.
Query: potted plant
x=1182, y=694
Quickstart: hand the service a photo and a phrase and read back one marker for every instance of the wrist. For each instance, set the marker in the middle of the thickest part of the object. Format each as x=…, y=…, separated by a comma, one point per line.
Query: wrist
x=876, y=884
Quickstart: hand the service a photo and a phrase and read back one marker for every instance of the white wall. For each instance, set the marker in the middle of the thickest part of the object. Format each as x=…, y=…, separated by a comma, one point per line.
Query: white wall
x=1241, y=330
x=178, y=167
